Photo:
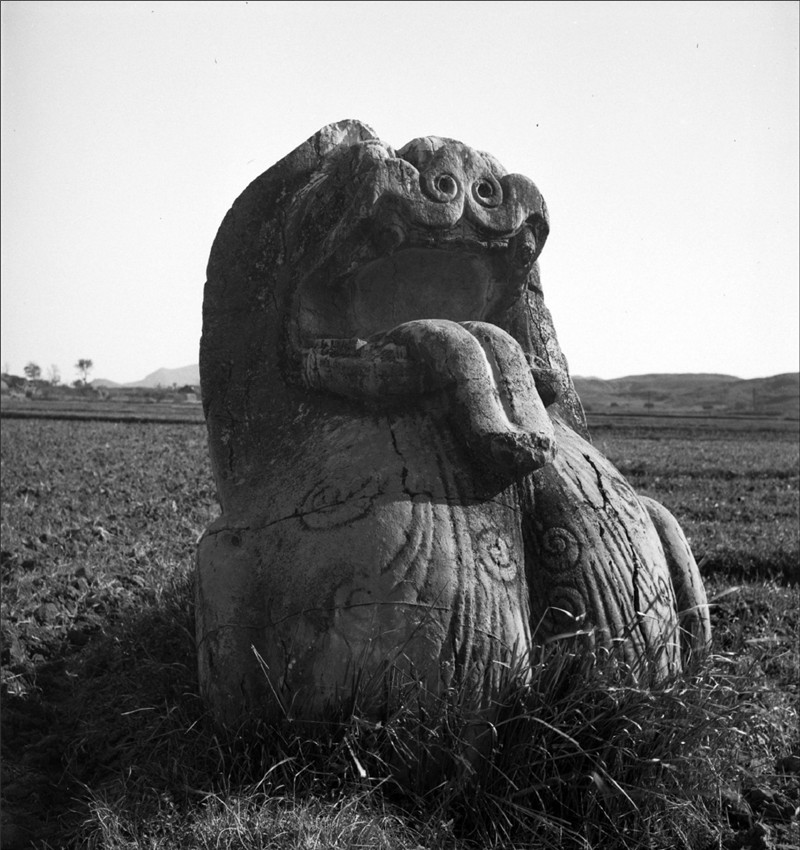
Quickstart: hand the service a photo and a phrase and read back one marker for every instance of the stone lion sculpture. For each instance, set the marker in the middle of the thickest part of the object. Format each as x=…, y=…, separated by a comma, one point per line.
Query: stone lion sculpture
x=404, y=468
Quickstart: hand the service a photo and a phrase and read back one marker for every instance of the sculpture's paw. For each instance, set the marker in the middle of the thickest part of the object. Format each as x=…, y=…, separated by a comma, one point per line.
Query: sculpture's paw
x=690, y=594
x=515, y=452
x=494, y=401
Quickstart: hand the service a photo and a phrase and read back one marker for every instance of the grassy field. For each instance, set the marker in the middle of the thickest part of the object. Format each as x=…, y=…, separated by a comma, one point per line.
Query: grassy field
x=735, y=491
x=101, y=410
x=106, y=744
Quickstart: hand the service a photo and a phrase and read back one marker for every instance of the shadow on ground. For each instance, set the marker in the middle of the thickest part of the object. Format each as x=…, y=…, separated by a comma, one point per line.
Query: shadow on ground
x=120, y=714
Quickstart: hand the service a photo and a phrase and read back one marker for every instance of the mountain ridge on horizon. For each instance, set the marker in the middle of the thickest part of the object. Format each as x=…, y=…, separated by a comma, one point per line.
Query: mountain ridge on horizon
x=163, y=377
x=777, y=395
x=167, y=376
x=774, y=394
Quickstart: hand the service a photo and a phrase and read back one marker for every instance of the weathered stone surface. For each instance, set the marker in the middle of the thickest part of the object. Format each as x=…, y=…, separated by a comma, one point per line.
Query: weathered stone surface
x=402, y=461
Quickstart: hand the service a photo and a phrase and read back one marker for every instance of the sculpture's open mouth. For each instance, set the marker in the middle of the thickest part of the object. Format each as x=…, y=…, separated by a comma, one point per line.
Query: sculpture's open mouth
x=404, y=273
x=459, y=283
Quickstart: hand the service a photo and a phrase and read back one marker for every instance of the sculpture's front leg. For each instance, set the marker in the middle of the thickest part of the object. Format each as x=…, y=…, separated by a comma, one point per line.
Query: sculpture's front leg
x=690, y=595
x=609, y=563
x=493, y=398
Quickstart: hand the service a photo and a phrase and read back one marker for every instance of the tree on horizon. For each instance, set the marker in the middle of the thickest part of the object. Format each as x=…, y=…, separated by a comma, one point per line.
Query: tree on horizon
x=84, y=366
x=32, y=371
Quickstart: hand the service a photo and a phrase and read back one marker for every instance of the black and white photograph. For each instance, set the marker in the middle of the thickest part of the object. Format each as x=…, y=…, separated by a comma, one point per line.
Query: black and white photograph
x=400, y=425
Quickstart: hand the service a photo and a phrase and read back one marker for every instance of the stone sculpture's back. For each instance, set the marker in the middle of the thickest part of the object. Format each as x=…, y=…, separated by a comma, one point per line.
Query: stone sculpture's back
x=406, y=480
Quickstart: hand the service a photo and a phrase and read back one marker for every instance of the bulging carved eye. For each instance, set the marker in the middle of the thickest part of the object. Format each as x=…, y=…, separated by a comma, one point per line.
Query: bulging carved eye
x=487, y=192
x=483, y=188
x=442, y=187
x=446, y=184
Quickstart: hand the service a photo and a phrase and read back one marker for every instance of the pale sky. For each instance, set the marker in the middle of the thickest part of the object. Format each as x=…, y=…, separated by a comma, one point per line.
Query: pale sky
x=663, y=135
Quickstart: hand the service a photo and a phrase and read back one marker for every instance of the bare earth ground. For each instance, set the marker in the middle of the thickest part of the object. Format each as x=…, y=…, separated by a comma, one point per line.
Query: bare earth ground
x=99, y=525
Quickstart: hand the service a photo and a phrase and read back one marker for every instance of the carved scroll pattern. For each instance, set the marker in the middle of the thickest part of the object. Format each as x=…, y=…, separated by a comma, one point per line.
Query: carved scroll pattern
x=328, y=505
x=606, y=553
x=560, y=553
x=490, y=616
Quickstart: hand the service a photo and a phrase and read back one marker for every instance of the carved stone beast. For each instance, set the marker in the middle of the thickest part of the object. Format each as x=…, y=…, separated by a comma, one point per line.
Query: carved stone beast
x=403, y=463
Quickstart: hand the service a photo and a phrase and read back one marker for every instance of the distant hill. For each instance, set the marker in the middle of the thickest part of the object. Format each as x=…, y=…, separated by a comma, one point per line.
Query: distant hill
x=778, y=395
x=167, y=377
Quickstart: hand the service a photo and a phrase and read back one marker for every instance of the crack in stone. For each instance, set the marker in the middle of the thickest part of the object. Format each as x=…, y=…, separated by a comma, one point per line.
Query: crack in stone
x=608, y=506
x=453, y=501
x=404, y=473
x=579, y=481
x=352, y=605
x=600, y=486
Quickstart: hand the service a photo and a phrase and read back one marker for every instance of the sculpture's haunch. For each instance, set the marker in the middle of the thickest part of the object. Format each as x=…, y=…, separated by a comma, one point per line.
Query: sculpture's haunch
x=402, y=461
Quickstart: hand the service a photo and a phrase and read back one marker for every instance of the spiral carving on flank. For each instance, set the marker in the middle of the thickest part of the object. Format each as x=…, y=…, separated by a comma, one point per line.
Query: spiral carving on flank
x=560, y=550
x=565, y=612
x=495, y=556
